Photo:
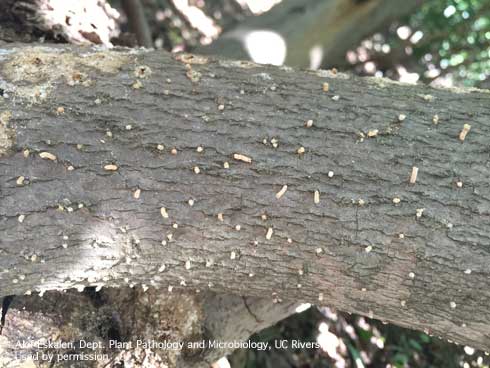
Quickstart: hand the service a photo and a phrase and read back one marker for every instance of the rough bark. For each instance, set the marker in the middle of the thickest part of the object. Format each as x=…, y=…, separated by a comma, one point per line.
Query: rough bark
x=327, y=28
x=131, y=317
x=93, y=144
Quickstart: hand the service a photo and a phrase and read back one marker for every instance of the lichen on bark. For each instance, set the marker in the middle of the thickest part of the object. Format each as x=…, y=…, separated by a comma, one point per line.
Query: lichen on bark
x=7, y=135
x=30, y=72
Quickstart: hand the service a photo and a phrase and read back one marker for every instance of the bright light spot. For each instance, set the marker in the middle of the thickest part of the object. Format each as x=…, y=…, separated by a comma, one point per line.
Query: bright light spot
x=385, y=48
x=450, y=10
x=258, y=6
x=416, y=37
x=446, y=80
x=316, y=57
x=403, y=32
x=362, y=54
x=363, y=324
x=328, y=341
x=368, y=44
x=302, y=307
x=265, y=47
x=55, y=13
x=469, y=350
x=378, y=342
x=456, y=59
x=198, y=19
x=370, y=67
x=352, y=56
x=350, y=331
x=480, y=24
x=222, y=363
x=323, y=327
x=359, y=363
x=407, y=77
x=432, y=73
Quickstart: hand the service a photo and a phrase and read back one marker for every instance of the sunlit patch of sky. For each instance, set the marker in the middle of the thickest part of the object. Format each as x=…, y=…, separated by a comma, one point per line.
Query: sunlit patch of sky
x=327, y=340
x=449, y=11
x=403, y=32
x=265, y=47
x=416, y=37
x=199, y=20
x=258, y=6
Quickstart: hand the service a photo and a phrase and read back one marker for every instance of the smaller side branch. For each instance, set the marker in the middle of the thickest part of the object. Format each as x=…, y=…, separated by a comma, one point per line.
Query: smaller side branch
x=308, y=33
x=138, y=22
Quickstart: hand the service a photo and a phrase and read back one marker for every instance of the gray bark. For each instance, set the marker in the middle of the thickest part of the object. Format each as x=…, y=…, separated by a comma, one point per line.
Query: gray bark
x=72, y=221
x=332, y=26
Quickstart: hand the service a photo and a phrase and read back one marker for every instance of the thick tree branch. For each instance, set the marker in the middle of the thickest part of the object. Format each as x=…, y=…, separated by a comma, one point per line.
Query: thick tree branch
x=134, y=167
x=313, y=31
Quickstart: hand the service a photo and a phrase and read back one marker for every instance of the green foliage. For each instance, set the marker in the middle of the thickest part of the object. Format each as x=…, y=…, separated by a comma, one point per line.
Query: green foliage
x=365, y=343
x=456, y=38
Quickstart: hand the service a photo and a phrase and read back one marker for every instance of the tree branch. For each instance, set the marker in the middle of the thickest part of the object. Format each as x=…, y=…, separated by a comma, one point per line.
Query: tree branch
x=137, y=22
x=314, y=32
x=139, y=168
